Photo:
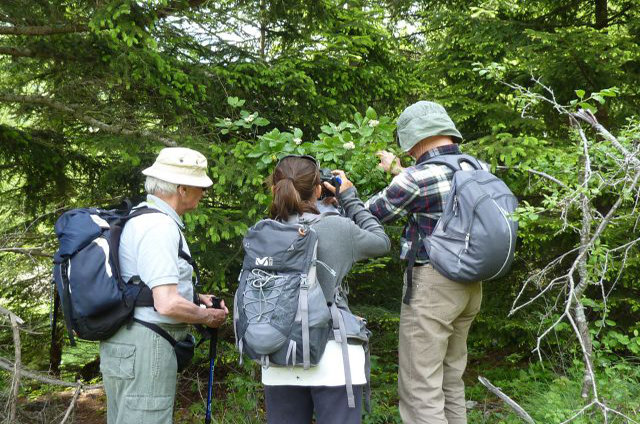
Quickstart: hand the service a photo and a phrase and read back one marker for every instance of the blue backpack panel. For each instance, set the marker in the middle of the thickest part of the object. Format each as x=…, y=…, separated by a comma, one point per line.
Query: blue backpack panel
x=95, y=300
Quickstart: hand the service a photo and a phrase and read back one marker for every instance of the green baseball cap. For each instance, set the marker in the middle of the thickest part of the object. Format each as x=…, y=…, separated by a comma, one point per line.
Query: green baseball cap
x=424, y=119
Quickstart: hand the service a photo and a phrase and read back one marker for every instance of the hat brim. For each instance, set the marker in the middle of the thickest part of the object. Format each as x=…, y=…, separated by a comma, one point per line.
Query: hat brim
x=420, y=127
x=188, y=180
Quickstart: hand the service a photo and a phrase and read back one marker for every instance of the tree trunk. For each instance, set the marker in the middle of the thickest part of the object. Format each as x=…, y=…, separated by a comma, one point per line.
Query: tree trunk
x=602, y=14
x=55, y=350
x=583, y=273
x=263, y=29
x=585, y=335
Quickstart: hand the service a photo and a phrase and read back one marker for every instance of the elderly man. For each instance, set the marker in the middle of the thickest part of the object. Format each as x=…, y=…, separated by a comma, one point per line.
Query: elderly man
x=436, y=312
x=138, y=364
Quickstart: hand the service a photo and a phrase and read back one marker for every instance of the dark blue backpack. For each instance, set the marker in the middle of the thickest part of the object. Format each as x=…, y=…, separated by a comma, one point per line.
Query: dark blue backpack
x=95, y=300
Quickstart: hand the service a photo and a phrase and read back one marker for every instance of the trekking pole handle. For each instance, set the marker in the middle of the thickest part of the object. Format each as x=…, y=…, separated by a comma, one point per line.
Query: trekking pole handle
x=214, y=331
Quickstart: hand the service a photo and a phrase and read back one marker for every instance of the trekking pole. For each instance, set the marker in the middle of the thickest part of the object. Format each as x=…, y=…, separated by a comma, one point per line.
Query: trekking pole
x=213, y=342
x=212, y=363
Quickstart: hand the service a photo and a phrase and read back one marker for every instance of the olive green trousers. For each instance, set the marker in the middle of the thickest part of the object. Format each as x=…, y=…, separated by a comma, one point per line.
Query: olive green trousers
x=433, y=348
x=139, y=371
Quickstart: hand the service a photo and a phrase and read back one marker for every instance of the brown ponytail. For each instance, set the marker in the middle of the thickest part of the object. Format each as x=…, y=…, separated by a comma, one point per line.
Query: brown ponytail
x=293, y=184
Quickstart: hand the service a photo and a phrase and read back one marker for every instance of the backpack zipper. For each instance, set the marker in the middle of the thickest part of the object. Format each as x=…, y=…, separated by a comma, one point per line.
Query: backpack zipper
x=510, y=239
x=327, y=267
x=473, y=218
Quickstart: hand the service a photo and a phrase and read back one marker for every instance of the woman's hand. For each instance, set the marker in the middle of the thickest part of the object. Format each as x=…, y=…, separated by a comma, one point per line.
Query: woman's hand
x=345, y=185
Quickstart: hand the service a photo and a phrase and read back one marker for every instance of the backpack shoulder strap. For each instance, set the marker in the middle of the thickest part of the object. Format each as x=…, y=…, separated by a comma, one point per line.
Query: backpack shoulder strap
x=116, y=232
x=340, y=336
x=317, y=218
x=454, y=162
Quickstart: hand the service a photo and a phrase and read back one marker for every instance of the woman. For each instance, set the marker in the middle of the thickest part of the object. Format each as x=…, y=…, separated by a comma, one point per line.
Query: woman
x=293, y=394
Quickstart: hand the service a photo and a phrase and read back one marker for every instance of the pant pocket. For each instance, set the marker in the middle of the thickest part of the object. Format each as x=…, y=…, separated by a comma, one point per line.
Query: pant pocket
x=142, y=409
x=117, y=360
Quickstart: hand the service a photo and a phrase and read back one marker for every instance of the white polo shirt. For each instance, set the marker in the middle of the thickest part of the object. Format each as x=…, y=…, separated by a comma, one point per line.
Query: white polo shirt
x=149, y=249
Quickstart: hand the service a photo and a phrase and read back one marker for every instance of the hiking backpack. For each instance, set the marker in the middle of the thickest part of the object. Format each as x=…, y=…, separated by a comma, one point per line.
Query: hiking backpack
x=475, y=237
x=95, y=300
x=281, y=316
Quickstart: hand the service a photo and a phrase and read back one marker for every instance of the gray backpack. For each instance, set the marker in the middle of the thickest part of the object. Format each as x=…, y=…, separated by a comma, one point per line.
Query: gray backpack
x=475, y=237
x=281, y=316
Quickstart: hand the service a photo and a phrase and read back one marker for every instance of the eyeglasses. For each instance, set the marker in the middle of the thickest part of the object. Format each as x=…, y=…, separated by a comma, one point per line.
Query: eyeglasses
x=307, y=157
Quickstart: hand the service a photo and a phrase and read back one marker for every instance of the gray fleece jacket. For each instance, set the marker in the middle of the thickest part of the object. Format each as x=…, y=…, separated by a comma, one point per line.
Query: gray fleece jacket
x=343, y=240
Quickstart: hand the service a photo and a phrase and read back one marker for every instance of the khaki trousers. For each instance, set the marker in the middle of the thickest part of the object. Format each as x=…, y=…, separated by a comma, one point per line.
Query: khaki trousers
x=433, y=348
x=139, y=371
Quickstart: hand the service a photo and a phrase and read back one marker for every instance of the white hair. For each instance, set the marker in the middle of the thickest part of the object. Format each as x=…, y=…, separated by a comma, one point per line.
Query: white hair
x=157, y=186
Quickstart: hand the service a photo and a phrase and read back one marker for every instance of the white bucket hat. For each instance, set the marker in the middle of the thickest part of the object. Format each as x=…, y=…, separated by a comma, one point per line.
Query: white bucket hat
x=182, y=166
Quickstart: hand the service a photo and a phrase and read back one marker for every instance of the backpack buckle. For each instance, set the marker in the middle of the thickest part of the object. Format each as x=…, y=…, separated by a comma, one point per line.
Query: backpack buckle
x=304, y=282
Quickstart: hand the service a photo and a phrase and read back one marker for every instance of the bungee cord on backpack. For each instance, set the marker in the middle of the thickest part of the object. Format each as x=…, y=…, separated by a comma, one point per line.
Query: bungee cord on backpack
x=268, y=286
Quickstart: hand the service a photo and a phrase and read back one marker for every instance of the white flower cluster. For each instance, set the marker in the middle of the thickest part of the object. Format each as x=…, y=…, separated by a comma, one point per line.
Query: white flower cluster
x=297, y=140
x=349, y=145
x=373, y=123
x=249, y=119
x=227, y=122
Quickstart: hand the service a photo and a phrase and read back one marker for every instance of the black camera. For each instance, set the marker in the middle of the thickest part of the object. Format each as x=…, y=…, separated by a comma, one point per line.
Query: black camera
x=334, y=180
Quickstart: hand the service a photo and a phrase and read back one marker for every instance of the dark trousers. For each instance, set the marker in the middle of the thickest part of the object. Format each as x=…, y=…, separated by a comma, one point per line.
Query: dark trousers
x=296, y=404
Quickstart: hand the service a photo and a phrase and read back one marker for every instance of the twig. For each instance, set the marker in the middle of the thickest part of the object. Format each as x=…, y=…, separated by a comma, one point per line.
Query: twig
x=588, y=117
x=580, y=412
x=73, y=403
x=27, y=251
x=12, y=402
x=33, y=375
x=533, y=171
x=513, y=404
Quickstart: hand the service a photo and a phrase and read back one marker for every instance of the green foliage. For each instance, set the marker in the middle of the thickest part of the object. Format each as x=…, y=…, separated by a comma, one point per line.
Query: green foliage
x=247, y=82
x=350, y=146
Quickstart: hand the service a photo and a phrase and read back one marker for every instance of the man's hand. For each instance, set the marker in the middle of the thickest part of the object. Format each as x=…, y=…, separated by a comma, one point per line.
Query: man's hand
x=389, y=162
x=169, y=303
x=346, y=184
x=206, y=299
x=214, y=320
x=216, y=317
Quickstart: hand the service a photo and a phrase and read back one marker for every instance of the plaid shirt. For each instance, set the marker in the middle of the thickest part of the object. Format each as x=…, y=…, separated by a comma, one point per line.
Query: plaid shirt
x=421, y=190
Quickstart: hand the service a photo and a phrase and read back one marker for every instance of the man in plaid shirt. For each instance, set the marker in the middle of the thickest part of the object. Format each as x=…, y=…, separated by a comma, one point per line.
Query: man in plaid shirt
x=436, y=312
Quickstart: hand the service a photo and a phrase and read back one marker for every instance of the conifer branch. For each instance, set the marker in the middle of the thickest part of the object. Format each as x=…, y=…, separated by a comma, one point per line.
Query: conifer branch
x=110, y=128
x=43, y=30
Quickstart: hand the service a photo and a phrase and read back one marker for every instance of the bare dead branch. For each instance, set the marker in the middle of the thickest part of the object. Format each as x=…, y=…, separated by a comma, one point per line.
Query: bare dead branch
x=38, y=251
x=533, y=171
x=72, y=405
x=512, y=404
x=112, y=129
x=588, y=117
x=12, y=403
x=7, y=365
x=580, y=412
x=538, y=276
